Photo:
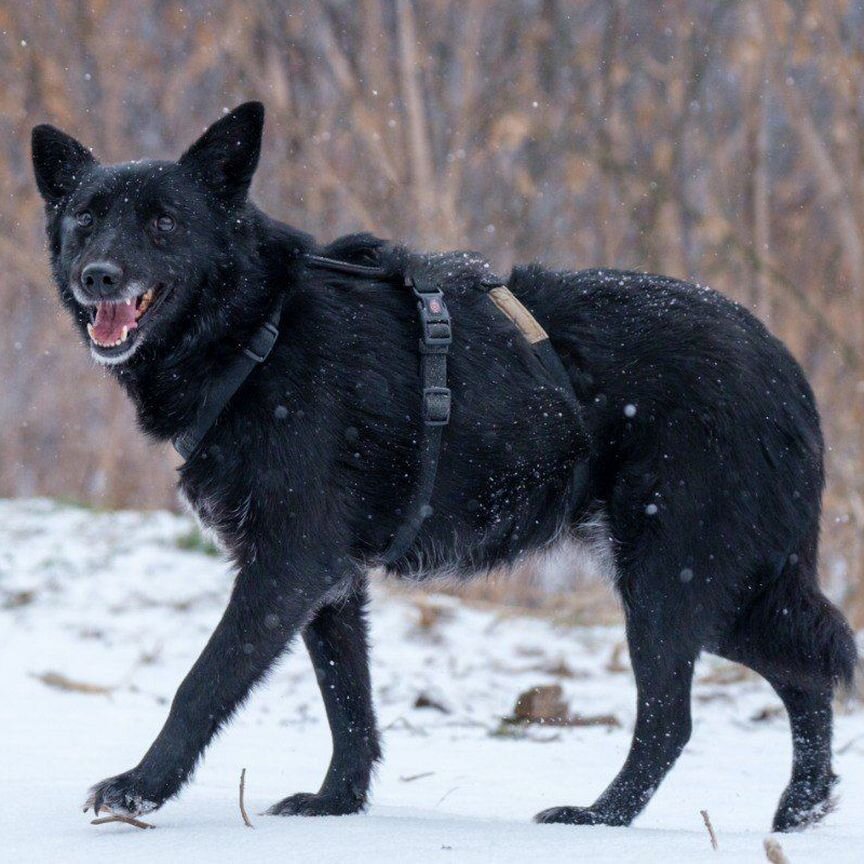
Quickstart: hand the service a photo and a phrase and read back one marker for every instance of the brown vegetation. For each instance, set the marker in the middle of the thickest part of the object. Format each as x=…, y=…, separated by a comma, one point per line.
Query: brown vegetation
x=709, y=139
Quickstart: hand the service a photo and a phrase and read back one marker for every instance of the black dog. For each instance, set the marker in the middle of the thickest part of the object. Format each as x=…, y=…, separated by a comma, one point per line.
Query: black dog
x=695, y=442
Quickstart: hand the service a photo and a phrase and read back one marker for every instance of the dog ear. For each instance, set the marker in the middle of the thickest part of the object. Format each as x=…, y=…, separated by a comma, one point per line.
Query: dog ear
x=225, y=157
x=58, y=162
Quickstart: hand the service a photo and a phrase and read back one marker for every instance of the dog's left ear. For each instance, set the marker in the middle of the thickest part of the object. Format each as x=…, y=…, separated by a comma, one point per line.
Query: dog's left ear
x=225, y=157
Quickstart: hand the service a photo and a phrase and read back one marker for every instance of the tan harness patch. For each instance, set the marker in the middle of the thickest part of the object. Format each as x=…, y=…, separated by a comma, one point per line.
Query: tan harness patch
x=518, y=314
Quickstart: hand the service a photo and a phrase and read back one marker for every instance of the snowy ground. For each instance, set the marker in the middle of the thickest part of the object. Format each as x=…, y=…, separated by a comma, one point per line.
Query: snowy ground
x=119, y=601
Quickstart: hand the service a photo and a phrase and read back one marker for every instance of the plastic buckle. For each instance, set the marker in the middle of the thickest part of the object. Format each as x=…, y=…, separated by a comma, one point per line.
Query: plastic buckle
x=434, y=317
x=436, y=406
x=262, y=342
x=422, y=289
x=437, y=333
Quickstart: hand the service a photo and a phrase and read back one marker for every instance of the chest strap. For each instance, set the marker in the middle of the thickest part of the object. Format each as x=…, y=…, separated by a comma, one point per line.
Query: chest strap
x=435, y=338
x=251, y=355
x=434, y=345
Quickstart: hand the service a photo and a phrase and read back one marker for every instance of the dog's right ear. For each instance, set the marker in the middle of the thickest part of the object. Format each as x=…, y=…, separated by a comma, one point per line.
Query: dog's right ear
x=225, y=157
x=58, y=162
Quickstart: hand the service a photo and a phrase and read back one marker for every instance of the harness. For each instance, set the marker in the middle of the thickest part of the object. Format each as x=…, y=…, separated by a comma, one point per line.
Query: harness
x=434, y=344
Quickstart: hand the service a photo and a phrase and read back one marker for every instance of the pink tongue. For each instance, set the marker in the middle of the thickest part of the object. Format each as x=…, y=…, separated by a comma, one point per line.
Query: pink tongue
x=111, y=318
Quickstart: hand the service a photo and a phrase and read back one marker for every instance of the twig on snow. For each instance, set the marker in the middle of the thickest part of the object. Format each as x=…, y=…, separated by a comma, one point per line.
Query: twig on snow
x=412, y=777
x=849, y=744
x=243, y=812
x=405, y=724
x=707, y=820
x=446, y=795
x=126, y=820
x=61, y=682
x=774, y=851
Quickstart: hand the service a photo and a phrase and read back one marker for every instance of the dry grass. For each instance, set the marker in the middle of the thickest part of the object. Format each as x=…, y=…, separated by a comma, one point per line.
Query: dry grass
x=523, y=591
x=723, y=145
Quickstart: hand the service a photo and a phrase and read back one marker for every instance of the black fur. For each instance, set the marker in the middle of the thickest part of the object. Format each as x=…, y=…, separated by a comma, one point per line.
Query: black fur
x=699, y=432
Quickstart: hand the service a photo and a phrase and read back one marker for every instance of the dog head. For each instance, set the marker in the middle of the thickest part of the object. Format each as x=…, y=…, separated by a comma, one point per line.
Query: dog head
x=132, y=245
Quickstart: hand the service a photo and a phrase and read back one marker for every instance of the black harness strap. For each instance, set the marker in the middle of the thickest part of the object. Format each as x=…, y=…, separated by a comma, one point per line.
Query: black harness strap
x=534, y=335
x=435, y=339
x=251, y=355
x=346, y=267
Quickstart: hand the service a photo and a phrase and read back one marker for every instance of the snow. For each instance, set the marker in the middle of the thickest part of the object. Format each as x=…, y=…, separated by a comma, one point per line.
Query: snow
x=115, y=599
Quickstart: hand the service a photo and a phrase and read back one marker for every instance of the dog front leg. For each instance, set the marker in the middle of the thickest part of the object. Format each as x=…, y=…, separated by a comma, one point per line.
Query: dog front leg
x=262, y=616
x=337, y=641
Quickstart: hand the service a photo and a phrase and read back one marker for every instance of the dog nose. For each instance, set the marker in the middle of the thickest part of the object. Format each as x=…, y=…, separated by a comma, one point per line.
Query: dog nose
x=101, y=277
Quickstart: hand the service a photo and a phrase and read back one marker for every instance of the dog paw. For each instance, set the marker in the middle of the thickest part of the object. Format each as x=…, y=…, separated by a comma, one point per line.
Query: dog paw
x=124, y=795
x=571, y=816
x=804, y=804
x=308, y=804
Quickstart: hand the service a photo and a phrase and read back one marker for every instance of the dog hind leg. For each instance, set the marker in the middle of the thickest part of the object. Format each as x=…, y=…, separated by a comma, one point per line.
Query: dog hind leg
x=663, y=666
x=794, y=638
x=807, y=798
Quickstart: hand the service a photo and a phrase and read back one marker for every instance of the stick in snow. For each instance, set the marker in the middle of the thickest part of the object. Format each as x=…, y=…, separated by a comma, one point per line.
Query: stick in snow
x=126, y=820
x=774, y=852
x=707, y=820
x=411, y=777
x=243, y=812
x=849, y=745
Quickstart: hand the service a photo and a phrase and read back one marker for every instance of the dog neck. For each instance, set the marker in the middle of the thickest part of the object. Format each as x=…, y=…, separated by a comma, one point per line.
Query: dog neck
x=168, y=382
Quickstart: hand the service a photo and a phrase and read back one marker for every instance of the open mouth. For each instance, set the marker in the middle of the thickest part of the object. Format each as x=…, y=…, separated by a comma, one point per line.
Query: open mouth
x=116, y=325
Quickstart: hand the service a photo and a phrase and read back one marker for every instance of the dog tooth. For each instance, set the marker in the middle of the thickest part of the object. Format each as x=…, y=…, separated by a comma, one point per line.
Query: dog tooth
x=123, y=334
x=90, y=332
x=128, y=302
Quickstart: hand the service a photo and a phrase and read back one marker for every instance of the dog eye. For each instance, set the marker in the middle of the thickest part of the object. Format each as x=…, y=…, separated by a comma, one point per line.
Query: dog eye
x=84, y=218
x=165, y=223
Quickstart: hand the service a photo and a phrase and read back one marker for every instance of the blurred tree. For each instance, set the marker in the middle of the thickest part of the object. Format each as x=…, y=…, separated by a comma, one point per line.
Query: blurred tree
x=718, y=140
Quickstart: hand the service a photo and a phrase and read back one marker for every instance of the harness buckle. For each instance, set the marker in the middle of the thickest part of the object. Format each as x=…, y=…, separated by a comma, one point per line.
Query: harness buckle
x=436, y=406
x=262, y=342
x=434, y=317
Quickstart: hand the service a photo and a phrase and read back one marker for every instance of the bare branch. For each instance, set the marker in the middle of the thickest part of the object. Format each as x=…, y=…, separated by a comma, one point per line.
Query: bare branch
x=707, y=820
x=126, y=820
x=243, y=812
